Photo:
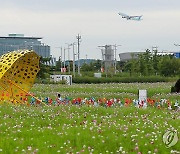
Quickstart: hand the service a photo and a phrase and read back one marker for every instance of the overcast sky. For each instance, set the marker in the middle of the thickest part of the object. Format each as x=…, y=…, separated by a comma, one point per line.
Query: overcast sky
x=97, y=21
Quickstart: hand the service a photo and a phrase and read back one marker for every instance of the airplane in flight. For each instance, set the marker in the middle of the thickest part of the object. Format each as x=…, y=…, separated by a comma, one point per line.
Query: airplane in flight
x=137, y=18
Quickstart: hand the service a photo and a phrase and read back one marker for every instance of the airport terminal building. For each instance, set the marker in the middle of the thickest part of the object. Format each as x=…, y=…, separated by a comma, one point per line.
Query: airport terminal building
x=19, y=41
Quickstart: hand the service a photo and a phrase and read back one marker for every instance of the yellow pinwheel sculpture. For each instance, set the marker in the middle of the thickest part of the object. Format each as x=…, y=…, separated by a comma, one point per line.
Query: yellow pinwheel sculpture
x=18, y=70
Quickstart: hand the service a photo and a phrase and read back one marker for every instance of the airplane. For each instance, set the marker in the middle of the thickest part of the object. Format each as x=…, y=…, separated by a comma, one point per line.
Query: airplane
x=137, y=18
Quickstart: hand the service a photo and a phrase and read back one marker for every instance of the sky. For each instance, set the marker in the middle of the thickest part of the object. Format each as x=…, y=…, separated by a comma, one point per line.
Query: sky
x=97, y=21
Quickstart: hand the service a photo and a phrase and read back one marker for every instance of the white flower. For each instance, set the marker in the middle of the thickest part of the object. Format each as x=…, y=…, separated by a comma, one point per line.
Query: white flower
x=120, y=148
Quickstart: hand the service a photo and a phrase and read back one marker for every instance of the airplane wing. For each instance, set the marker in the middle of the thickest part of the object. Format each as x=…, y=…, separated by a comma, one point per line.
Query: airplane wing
x=122, y=14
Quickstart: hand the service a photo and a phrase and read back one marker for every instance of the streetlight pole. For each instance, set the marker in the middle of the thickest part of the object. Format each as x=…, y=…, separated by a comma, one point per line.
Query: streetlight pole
x=69, y=69
x=78, y=45
x=74, y=60
x=61, y=58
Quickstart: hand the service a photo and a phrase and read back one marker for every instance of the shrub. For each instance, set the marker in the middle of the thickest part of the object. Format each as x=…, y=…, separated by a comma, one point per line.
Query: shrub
x=90, y=80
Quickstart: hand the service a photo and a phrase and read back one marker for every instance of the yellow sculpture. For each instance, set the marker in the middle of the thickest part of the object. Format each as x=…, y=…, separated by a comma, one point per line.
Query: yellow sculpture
x=18, y=70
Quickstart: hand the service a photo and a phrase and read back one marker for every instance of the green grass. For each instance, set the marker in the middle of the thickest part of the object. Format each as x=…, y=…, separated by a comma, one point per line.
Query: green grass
x=74, y=129
x=121, y=90
x=66, y=129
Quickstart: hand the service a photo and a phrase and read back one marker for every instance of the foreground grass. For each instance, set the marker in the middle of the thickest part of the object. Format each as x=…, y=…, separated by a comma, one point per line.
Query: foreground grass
x=64, y=129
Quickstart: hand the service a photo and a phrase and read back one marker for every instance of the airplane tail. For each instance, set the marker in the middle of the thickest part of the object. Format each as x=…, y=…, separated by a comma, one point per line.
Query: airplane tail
x=140, y=18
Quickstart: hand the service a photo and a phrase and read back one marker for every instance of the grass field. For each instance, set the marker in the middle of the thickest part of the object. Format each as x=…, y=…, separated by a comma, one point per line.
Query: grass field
x=122, y=90
x=89, y=129
x=75, y=129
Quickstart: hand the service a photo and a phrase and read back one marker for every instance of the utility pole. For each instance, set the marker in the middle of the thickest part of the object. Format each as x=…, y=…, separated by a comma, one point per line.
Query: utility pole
x=115, y=60
x=74, y=60
x=78, y=45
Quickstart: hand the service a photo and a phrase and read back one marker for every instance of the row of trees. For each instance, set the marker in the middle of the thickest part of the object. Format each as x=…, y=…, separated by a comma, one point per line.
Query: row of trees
x=148, y=64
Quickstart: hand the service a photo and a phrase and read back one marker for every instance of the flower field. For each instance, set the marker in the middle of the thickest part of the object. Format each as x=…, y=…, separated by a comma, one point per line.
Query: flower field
x=68, y=128
x=83, y=129
x=121, y=91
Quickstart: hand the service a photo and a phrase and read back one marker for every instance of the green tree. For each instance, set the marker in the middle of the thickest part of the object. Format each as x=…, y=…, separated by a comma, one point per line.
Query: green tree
x=85, y=67
x=58, y=65
x=43, y=68
x=170, y=66
x=143, y=65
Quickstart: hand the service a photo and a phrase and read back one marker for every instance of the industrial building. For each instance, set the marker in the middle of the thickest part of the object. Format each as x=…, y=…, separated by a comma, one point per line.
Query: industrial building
x=19, y=41
x=108, y=57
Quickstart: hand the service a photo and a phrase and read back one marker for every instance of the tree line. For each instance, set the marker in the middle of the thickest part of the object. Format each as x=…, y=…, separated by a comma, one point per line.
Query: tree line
x=149, y=64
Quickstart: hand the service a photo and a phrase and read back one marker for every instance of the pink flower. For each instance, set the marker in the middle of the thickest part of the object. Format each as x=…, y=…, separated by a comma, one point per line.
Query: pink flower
x=136, y=148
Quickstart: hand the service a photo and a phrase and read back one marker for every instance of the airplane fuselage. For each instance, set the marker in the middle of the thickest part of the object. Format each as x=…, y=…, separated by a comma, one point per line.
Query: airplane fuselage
x=138, y=18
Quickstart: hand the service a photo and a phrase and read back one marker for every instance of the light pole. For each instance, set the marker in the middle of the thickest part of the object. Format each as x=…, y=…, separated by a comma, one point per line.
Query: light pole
x=115, y=63
x=69, y=57
x=78, y=45
x=61, y=56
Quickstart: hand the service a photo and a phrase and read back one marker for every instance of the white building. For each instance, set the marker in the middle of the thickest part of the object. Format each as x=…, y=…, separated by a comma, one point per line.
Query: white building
x=57, y=78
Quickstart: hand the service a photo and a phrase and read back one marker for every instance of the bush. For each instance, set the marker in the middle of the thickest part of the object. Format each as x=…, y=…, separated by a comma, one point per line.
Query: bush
x=90, y=80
